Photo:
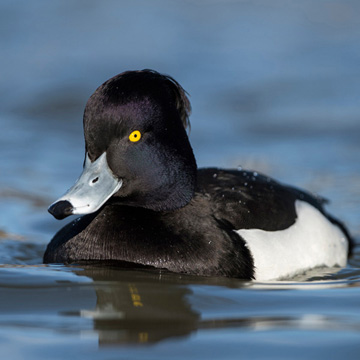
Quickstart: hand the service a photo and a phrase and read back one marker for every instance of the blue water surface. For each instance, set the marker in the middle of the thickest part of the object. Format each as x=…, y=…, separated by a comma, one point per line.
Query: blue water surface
x=274, y=87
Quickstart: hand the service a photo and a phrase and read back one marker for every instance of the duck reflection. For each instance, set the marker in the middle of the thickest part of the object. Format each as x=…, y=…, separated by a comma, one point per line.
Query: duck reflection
x=145, y=306
x=135, y=306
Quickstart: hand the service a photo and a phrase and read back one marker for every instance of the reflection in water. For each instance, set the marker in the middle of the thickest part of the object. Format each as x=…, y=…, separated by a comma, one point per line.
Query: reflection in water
x=148, y=306
x=100, y=306
x=138, y=307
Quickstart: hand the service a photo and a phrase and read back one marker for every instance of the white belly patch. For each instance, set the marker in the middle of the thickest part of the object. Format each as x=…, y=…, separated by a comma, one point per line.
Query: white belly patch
x=312, y=241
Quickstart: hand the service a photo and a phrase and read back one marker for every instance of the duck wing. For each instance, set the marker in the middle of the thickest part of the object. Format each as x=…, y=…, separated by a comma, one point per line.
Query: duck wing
x=250, y=200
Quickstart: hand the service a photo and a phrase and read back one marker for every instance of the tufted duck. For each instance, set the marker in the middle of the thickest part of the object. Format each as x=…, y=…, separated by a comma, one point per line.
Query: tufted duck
x=145, y=203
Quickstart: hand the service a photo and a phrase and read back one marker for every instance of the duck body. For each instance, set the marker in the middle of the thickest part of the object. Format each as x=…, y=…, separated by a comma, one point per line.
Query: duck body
x=146, y=204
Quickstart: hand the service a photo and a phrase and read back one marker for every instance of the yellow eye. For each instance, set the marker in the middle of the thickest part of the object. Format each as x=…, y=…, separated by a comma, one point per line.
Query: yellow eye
x=135, y=136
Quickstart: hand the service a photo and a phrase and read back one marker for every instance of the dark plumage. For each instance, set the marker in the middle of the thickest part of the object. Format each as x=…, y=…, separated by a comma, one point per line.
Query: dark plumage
x=166, y=213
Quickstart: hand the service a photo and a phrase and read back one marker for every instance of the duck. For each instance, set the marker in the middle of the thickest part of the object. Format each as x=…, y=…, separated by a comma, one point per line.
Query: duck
x=143, y=202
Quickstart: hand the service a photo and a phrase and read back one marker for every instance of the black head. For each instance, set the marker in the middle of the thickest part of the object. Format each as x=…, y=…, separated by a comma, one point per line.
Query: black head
x=139, y=119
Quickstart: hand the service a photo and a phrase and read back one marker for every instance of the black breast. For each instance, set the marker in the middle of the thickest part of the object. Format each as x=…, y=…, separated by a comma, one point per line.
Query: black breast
x=190, y=240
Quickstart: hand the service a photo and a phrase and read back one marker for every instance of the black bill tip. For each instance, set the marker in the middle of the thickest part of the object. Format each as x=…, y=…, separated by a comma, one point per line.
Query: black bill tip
x=61, y=209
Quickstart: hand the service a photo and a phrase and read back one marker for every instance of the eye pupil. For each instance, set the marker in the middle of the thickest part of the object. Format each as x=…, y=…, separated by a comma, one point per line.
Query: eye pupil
x=95, y=180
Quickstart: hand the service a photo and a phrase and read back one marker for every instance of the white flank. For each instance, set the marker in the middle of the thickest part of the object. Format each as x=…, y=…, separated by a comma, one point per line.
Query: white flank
x=312, y=241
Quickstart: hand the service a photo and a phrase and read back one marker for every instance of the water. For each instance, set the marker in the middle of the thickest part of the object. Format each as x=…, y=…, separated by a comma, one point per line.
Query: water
x=274, y=88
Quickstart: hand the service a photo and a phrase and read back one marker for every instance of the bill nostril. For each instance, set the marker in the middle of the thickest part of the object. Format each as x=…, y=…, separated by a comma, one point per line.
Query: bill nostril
x=61, y=209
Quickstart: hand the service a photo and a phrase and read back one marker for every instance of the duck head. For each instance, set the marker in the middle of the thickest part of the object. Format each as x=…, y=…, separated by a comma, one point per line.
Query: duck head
x=137, y=151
